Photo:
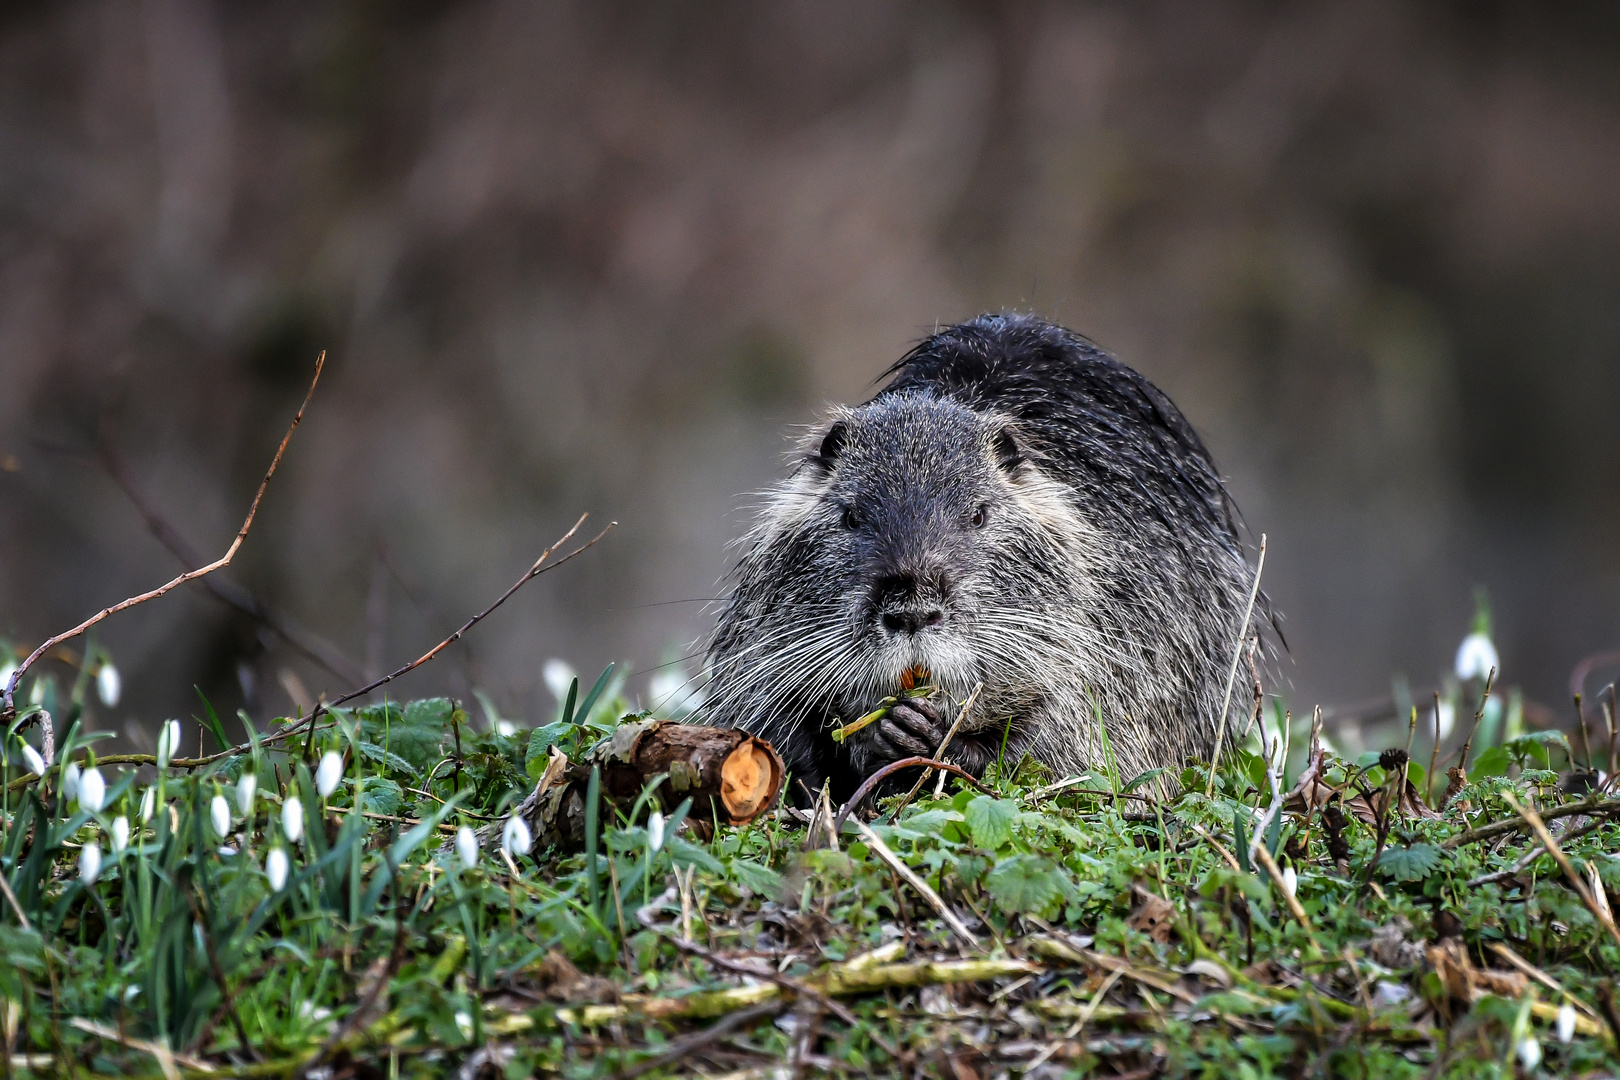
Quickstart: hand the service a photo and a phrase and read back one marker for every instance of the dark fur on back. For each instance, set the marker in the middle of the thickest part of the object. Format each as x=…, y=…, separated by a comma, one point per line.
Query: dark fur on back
x=1015, y=508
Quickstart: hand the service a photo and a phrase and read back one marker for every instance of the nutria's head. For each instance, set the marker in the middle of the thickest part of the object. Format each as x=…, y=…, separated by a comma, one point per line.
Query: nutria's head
x=913, y=533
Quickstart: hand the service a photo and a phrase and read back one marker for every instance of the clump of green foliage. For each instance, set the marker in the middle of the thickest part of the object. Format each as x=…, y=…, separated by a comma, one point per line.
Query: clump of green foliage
x=1133, y=933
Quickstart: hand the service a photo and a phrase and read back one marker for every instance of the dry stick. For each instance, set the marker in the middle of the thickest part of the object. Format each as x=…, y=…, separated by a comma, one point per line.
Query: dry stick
x=1604, y=918
x=685, y=1046
x=1237, y=657
x=1505, y=952
x=1614, y=748
x=1479, y=713
x=1586, y=739
x=11, y=898
x=8, y=708
x=1592, y=806
x=888, y=770
x=875, y=842
x=227, y=592
x=1267, y=863
x=1532, y=855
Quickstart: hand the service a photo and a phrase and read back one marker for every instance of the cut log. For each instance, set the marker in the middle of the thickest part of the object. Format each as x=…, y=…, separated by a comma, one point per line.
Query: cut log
x=730, y=776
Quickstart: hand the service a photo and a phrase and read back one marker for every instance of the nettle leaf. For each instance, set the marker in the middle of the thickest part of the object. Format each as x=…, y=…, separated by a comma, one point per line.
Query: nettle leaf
x=989, y=821
x=1412, y=863
x=1026, y=883
x=393, y=762
x=383, y=796
x=755, y=876
x=1493, y=762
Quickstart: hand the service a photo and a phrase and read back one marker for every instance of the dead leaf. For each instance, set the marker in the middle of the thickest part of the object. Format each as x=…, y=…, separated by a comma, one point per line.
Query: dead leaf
x=1467, y=983
x=1154, y=915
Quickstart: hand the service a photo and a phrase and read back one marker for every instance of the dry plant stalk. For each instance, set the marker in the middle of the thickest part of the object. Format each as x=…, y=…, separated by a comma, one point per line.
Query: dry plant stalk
x=1237, y=658
x=895, y=863
x=1604, y=918
x=8, y=710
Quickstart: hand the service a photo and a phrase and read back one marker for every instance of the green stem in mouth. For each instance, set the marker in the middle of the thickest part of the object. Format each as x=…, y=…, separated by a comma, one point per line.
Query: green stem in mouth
x=842, y=733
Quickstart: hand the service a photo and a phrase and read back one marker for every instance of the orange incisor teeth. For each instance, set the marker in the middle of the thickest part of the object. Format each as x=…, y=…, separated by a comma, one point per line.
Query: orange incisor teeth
x=913, y=677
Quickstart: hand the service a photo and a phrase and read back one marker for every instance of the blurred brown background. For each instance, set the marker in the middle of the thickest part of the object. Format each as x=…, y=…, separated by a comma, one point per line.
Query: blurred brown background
x=596, y=256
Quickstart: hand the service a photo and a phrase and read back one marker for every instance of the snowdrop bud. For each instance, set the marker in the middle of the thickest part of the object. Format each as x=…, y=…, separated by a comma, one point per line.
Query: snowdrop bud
x=1566, y=1023
x=505, y=728
x=148, y=804
x=92, y=790
x=120, y=833
x=1476, y=657
x=467, y=847
x=1290, y=880
x=168, y=742
x=292, y=817
x=276, y=866
x=109, y=686
x=70, y=781
x=90, y=863
x=328, y=773
x=464, y=1024
x=219, y=814
x=246, y=788
x=31, y=758
x=1530, y=1053
x=516, y=838
x=559, y=676
x=655, y=830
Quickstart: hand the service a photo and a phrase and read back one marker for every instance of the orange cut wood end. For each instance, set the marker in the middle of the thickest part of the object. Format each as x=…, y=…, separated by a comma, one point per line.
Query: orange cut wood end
x=749, y=779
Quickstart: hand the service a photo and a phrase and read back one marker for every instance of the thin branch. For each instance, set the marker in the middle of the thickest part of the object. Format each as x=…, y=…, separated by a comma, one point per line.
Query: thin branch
x=1237, y=658
x=227, y=592
x=1603, y=918
x=893, y=767
x=1593, y=806
x=8, y=708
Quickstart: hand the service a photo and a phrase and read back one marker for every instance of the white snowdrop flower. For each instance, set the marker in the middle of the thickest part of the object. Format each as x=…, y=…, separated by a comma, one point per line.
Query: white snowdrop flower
x=515, y=837
x=109, y=685
x=219, y=815
x=90, y=863
x=148, y=804
x=1566, y=1023
x=505, y=728
x=92, y=790
x=36, y=696
x=131, y=992
x=655, y=830
x=70, y=780
x=308, y=1010
x=328, y=773
x=1476, y=657
x=559, y=675
x=246, y=788
x=464, y=1024
x=1530, y=1053
x=292, y=817
x=31, y=758
x=120, y=834
x=168, y=742
x=276, y=867
x=227, y=851
x=467, y=847
x=1290, y=880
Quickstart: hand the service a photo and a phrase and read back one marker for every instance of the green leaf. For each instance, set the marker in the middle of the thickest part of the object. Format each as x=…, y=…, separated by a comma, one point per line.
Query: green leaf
x=1026, y=883
x=756, y=876
x=212, y=721
x=382, y=795
x=1412, y=863
x=989, y=821
x=585, y=707
x=541, y=740
x=391, y=762
x=1493, y=762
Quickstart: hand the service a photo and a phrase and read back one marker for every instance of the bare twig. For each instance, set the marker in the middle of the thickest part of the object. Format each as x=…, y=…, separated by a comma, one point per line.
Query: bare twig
x=888, y=770
x=1592, y=806
x=227, y=592
x=939, y=754
x=1434, y=756
x=896, y=864
x=1604, y=919
x=1237, y=657
x=1532, y=855
x=687, y=1045
x=1479, y=713
x=8, y=709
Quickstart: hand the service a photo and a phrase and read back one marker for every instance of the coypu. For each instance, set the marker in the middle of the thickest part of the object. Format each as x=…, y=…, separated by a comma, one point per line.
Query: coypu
x=1017, y=508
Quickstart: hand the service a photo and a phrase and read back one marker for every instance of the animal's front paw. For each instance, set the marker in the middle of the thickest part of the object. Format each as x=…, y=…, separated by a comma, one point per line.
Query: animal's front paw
x=911, y=728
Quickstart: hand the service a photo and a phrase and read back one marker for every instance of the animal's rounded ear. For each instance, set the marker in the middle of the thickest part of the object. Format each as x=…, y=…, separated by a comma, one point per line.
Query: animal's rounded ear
x=1009, y=453
x=832, y=444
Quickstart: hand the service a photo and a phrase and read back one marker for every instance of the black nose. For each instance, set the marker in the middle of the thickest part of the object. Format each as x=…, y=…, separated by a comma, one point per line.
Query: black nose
x=913, y=620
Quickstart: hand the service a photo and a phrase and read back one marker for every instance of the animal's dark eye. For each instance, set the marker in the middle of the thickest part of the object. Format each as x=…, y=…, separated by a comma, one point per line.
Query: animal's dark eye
x=850, y=519
x=980, y=516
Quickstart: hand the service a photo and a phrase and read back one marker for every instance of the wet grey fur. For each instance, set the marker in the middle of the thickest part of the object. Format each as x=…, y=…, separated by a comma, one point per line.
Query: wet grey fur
x=1015, y=507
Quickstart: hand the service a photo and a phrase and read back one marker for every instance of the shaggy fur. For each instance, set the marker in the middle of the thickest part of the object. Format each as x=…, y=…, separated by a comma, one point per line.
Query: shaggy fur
x=1017, y=508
